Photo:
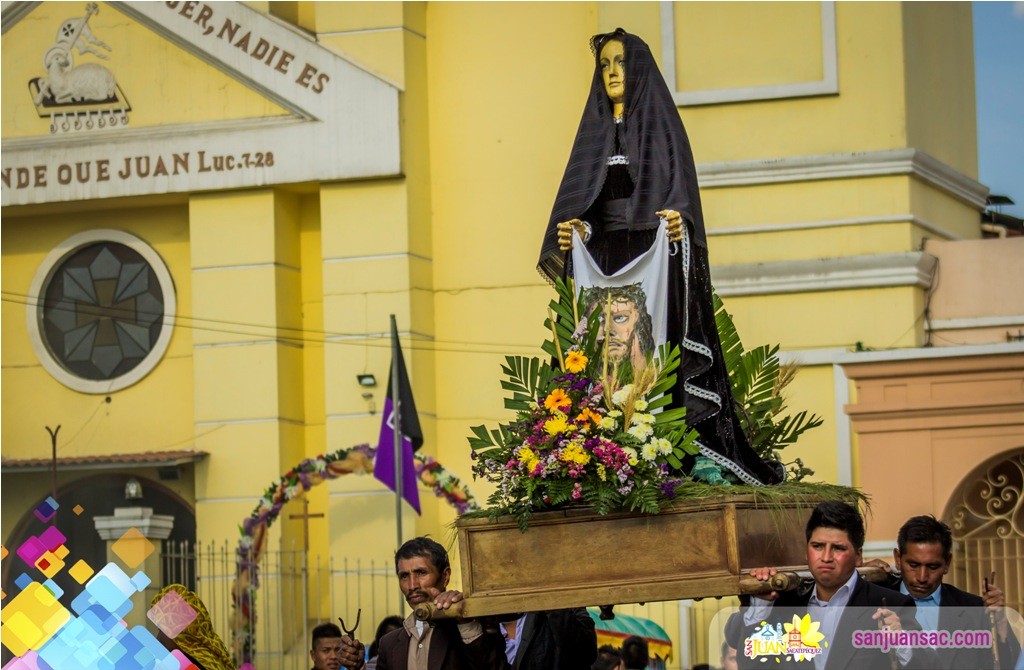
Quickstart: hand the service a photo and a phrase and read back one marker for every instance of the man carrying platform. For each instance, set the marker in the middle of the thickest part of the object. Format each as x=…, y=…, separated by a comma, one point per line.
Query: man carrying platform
x=923, y=555
x=423, y=572
x=849, y=611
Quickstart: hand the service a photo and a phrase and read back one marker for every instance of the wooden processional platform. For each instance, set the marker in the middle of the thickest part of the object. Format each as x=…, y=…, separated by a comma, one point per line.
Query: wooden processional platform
x=696, y=548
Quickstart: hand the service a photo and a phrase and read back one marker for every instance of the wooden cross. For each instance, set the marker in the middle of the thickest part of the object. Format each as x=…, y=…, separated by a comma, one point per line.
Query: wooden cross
x=305, y=516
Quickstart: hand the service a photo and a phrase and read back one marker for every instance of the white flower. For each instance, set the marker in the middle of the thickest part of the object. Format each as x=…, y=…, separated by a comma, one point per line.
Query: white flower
x=641, y=431
x=640, y=418
x=266, y=504
x=620, y=396
x=608, y=423
x=533, y=405
x=649, y=452
x=290, y=492
x=614, y=413
x=663, y=446
x=640, y=405
x=630, y=453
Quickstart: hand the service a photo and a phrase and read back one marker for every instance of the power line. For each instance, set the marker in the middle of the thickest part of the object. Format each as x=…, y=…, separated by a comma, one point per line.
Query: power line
x=304, y=335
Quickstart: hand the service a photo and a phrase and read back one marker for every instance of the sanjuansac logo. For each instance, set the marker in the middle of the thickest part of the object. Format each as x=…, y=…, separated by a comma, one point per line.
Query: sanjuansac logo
x=799, y=640
x=78, y=97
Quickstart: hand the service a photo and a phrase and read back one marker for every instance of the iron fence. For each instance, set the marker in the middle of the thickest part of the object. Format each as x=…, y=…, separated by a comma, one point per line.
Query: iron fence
x=297, y=591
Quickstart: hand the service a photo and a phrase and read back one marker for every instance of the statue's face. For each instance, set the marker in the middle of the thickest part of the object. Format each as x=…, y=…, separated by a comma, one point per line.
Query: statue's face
x=613, y=70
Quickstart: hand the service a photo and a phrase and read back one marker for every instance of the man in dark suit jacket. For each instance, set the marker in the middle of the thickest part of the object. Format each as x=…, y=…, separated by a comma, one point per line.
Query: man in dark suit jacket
x=423, y=573
x=924, y=551
x=840, y=602
x=551, y=640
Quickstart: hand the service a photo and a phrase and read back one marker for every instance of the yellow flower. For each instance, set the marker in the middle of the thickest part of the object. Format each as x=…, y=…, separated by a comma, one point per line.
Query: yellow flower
x=574, y=454
x=601, y=472
x=556, y=425
x=557, y=399
x=575, y=361
x=527, y=458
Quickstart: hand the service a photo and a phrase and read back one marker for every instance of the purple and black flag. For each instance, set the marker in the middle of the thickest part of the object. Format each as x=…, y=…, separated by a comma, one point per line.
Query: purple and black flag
x=412, y=434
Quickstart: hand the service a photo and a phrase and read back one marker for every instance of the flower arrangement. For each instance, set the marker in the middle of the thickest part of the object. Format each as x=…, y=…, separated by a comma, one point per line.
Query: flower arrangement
x=587, y=429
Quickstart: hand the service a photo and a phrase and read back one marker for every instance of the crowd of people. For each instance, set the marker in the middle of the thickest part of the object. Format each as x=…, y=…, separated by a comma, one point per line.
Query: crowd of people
x=837, y=599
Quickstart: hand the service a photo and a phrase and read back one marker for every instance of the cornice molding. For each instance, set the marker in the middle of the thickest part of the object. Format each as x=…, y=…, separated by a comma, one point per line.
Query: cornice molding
x=836, y=223
x=889, y=162
x=12, y=12
x=825, y=274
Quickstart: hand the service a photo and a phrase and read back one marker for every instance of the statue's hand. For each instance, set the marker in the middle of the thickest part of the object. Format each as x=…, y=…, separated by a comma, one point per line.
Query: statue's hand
x=565, y=229
x=675, y=224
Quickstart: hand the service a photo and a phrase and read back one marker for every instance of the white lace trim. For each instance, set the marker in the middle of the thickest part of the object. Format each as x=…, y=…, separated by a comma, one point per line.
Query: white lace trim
x=618, y=160
x=730, y=465
x=703, y=393
x=697, y=347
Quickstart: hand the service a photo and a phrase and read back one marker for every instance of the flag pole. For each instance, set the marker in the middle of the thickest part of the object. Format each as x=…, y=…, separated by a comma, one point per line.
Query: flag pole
x=397, y=430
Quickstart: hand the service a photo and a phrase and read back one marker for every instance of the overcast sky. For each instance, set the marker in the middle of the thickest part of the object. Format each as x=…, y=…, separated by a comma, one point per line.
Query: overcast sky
x=999, y=67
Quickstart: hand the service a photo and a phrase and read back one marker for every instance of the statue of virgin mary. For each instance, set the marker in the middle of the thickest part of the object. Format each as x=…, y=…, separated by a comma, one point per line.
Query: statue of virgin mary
x=627, y=226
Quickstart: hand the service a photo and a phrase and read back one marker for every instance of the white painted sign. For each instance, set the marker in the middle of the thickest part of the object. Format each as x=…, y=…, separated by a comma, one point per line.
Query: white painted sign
x=344, y=121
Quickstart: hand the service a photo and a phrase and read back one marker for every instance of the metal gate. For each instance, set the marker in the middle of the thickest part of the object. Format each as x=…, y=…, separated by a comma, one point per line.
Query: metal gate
x=297, y=591
x=986, y=515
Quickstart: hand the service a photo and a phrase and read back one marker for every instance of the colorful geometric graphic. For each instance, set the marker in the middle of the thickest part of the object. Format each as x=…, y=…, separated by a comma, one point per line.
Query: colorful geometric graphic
x=31, y=550
x=44, y=635
x=49, y=564
x=172, y=614
x=81, y=571
x=133, y=548
x=31, y=619
x=46, y=510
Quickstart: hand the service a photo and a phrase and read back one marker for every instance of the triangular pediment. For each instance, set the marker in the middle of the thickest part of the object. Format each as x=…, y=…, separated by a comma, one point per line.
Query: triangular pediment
x=116, y=99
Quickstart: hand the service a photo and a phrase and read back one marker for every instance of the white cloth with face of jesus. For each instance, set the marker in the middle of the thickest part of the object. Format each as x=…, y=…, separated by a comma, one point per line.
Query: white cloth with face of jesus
x=633, y=301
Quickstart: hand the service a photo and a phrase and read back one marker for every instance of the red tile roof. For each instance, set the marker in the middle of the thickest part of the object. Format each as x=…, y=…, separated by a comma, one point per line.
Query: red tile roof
x=150, y=459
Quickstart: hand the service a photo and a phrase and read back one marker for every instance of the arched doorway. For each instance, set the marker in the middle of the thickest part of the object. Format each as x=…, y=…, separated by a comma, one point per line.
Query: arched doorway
x=986, y=515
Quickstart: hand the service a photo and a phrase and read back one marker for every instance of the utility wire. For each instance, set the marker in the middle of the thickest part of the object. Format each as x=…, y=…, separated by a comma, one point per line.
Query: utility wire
x=303, y=336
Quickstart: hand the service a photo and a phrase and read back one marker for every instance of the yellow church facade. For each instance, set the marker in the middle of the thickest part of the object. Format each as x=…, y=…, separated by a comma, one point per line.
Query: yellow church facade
x=261, y=185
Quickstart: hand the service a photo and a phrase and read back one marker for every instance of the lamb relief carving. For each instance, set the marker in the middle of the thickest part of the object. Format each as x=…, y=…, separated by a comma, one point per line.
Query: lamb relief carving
x=78, y=97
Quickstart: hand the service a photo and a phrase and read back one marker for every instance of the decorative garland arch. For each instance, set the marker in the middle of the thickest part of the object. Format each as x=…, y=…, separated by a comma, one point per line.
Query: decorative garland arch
x=294, y=484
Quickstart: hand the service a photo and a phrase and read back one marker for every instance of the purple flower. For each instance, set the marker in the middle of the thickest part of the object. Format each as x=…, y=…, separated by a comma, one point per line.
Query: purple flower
x=668, y=488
